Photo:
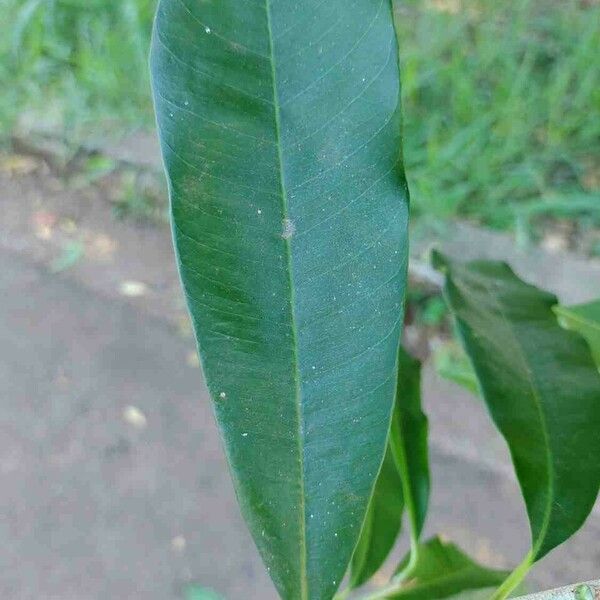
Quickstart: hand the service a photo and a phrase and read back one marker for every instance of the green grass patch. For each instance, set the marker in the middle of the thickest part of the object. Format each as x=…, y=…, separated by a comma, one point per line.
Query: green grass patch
x=501, y=98
x=79, y=66
x=502, y=107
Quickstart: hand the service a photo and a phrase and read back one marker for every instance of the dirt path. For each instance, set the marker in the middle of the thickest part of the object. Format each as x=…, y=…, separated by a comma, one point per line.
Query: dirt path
x=113, y=480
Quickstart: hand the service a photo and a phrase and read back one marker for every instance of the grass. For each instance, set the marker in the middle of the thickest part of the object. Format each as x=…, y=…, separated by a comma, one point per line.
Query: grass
x=502, y=107
x=79, y=66
x=501, y=98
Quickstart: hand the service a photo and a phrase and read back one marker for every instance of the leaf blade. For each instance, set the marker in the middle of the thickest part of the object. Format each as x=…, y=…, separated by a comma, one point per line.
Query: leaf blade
x=260, y=120
x=408, y=439
x=541, y=388
x=443, y=570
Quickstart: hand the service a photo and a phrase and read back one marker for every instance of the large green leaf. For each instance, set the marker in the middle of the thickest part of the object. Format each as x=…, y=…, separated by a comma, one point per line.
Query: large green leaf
x=405, y=472
x=542, y=390
x=585, y=319
x=279, y=125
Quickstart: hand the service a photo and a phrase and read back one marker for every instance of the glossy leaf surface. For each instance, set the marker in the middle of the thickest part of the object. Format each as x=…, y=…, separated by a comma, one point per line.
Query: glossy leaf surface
x=443, y=570
x=279, y=125
x=542, y=390
x=585, y=319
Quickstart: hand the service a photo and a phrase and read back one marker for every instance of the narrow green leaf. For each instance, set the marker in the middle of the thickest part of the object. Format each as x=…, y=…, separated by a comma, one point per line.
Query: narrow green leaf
x=279, y=125
x=585, y=320
x=408, y=440
x=442, y=570
x=405, y=473
x=542, y=390
x=381, y=526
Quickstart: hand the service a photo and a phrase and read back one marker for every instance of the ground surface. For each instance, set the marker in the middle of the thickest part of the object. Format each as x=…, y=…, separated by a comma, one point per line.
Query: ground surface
x=113, y=481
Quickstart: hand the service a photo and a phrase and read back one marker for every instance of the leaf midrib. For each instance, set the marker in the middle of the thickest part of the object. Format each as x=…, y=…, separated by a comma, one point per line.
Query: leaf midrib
x=287, y=243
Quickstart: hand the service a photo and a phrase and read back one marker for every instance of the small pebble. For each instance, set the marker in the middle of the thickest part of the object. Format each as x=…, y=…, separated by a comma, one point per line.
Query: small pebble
x=178, y=543
x=135, y=417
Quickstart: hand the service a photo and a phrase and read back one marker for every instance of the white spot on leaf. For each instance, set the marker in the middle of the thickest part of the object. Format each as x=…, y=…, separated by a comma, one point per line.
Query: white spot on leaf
x=289, y=229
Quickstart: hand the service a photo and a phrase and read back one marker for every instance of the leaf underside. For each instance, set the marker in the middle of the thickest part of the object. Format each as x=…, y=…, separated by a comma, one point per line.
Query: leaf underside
x=279, y=125
x=541, y=388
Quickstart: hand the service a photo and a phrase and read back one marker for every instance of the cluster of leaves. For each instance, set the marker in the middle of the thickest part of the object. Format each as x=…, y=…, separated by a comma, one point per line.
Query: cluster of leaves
x=524, y=364
x=289, y=205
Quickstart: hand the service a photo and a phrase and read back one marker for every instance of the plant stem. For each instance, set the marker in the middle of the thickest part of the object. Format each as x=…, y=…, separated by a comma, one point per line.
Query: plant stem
x=412, y=560
x=514, y=579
